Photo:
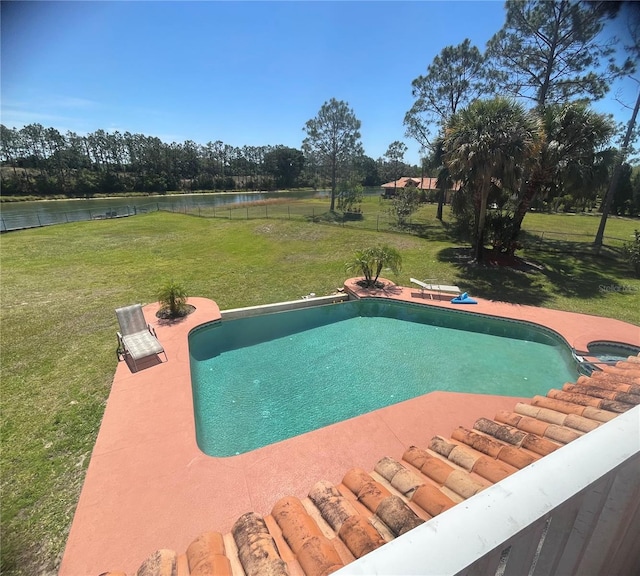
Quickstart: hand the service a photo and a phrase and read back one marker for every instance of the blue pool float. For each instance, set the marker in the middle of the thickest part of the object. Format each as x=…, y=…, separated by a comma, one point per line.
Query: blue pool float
x=464, y=298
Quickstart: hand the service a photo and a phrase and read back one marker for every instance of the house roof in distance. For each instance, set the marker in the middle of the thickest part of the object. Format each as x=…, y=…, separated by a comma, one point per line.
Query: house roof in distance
x=420, y=183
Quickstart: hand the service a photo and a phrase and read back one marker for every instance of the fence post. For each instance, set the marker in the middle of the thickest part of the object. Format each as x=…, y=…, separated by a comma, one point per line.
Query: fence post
x=289, y=211
x=38, y=216
x=266, y=211
x=247, y=212
x=229, y=213
x=4, y=224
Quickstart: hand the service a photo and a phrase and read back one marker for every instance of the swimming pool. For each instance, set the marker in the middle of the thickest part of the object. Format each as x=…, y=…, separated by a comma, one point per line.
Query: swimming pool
x=263, y=379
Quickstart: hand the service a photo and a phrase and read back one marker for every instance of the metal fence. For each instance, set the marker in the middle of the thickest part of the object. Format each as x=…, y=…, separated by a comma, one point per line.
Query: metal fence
x=560, y=241
x=381, y=220
x=384, y=221
x=36, y=219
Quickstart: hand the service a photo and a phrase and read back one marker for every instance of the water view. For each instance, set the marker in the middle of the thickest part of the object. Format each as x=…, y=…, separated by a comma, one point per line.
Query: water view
x=17, y=215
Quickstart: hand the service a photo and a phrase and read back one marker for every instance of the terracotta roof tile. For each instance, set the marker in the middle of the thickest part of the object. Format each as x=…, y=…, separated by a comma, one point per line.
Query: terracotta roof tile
x=581, y=423
x=493, y=470
x=578, y=397
x=365, y=488
x=402, y=479
x=492, y=447
x=539, y=445
x=632, y=374
x=160, y=563
x=415, y=456
x=597, y=377
x=610, y=382
x=524, y=423
x=500, y=431
x=206, y=555
x=256, y=549
x=436, y=469
x=337, y=524
x=334, y=507
x=597, y=392
x=395, y=513
x=432, y=500
x=464, y=458
x=544, y=414
x=441, y=446
x=558, y=405
x=629, y=366
x=360, y=536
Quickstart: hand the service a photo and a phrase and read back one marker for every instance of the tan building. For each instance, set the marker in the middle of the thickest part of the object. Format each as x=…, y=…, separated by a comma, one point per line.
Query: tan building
x=426, y=184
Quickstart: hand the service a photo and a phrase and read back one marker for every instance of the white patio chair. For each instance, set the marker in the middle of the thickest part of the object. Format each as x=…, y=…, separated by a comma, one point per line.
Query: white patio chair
x=136, y=338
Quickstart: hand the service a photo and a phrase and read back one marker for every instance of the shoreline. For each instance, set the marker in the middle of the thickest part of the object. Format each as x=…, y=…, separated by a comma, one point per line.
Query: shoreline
x=173, y=193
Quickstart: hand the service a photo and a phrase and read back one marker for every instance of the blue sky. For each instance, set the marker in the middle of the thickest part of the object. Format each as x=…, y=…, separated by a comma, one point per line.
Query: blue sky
x=241, y=72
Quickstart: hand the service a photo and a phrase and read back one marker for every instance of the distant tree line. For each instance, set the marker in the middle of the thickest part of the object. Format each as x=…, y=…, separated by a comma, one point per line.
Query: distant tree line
x=41, y=162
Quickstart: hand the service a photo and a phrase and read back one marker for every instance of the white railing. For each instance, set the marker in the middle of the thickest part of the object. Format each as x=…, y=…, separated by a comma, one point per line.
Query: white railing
x=573, y=512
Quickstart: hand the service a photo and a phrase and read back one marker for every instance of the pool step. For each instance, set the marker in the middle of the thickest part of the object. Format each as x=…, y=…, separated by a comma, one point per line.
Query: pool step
x=336, y=524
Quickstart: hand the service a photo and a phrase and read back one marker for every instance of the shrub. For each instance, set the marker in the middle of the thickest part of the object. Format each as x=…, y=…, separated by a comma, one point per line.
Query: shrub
x=371, y=261
x=500, y=230
x=173, y=299
x=350, y=197
x=404, y=204
x=631, y=251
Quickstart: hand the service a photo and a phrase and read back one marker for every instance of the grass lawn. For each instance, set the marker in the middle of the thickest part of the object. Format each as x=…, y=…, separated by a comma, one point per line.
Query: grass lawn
x=61, y=284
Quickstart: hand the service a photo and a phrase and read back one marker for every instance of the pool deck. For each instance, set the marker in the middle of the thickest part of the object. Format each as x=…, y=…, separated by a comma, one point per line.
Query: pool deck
x=148, y=486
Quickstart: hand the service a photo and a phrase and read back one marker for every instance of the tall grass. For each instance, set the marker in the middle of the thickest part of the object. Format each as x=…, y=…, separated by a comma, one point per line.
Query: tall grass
x=61, y=284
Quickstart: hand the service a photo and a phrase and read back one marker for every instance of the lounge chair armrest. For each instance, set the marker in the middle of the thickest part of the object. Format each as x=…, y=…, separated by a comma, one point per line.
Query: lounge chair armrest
x=152, y=330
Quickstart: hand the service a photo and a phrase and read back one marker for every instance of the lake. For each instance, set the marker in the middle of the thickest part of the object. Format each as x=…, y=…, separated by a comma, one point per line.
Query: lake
x=18, y=215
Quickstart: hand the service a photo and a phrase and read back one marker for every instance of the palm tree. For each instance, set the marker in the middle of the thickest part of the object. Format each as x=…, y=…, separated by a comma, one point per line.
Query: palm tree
x=371, y=261
x=572, y=136
x=173, y=299
x=486, y=145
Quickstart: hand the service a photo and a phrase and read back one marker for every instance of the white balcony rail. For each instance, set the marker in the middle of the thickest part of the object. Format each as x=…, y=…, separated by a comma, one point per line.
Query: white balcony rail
x=573, y=512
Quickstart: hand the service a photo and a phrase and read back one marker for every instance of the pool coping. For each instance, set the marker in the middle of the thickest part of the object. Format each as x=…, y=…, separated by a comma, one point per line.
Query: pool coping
x=148, y=485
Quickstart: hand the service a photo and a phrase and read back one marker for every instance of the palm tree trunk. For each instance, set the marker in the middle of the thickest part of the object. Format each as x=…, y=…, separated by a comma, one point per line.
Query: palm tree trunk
x=482, y=217
x=537, y=178
x=441, y=194
x=606, y=205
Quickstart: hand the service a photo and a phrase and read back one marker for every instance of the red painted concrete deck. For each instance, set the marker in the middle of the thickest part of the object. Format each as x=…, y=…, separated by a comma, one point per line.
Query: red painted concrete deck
x=148, y=486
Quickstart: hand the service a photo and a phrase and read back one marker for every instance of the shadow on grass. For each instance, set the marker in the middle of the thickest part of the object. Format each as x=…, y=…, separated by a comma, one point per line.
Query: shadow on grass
x=561, y=272
x=495, y=282
x=434, y=230
x=584, y=275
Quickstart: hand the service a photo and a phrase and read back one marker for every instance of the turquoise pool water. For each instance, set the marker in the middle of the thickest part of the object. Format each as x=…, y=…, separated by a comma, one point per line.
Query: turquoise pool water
x=260, y=380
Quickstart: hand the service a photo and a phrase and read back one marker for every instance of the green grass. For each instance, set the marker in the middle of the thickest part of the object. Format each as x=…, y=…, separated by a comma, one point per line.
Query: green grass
x=61, y=284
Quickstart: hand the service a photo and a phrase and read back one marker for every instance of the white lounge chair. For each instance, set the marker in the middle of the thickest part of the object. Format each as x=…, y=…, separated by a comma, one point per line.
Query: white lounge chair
x=137, y=338
x=432, y=287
